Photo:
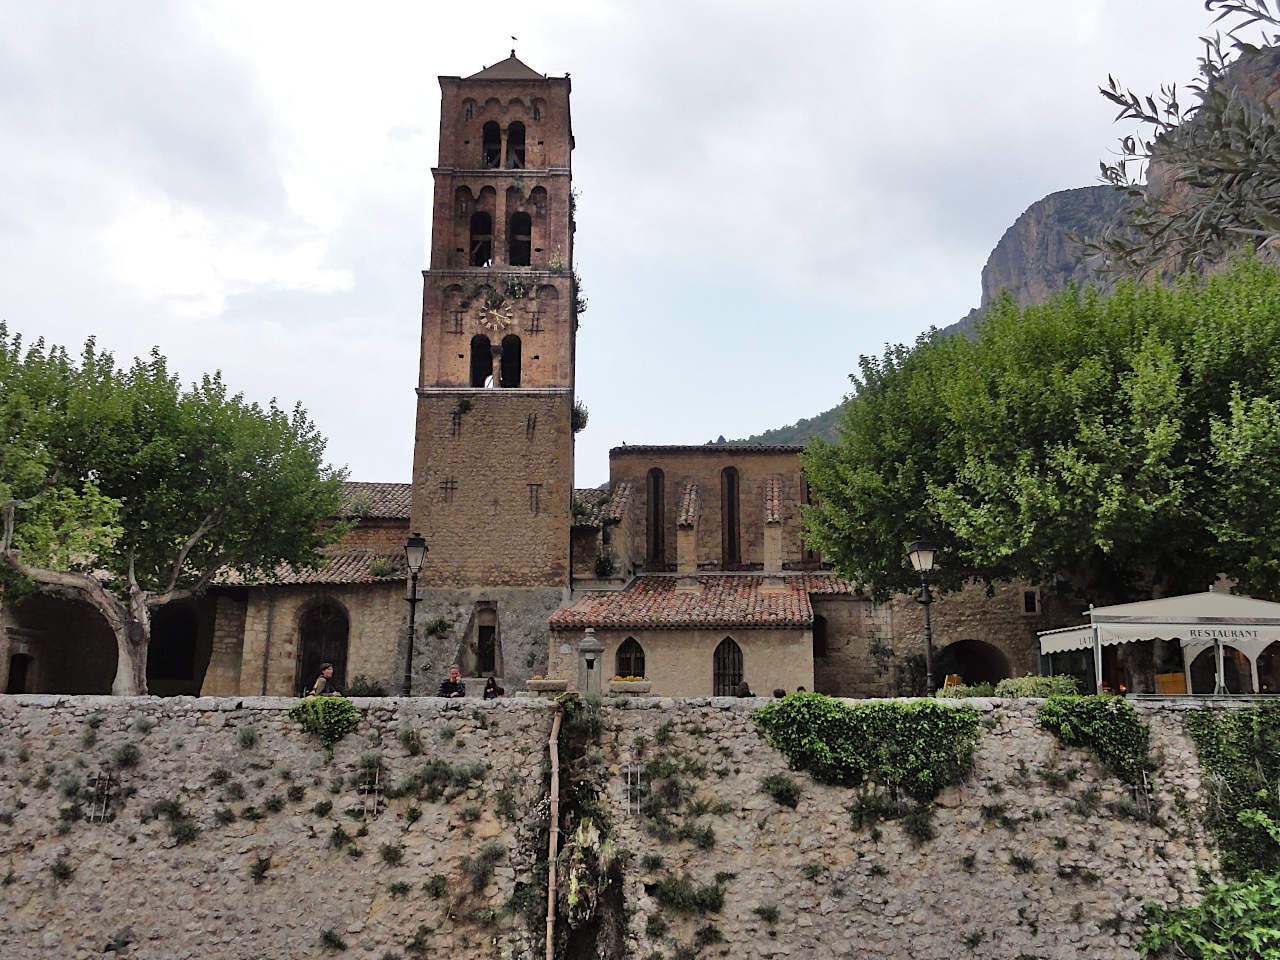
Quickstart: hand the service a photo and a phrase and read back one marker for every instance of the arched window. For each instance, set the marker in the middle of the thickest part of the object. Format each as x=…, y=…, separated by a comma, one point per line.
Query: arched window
x=819, y=636
x=537, y=109
x=515, y=146
x=322, y=638
x=468, y=109
x=655, y=513
x=726, y=669
x=481, y=360
x=520, y=241
x=510, y=360
x=491, y=149
x=481, y=238
x=730, y=537
x=538, y=197
x=630, y=659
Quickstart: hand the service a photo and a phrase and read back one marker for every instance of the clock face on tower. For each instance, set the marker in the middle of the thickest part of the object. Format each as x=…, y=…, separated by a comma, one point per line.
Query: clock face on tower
x=495, y=319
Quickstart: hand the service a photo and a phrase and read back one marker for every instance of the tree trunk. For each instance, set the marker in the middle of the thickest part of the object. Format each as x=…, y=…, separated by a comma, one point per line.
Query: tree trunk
x=132, y=642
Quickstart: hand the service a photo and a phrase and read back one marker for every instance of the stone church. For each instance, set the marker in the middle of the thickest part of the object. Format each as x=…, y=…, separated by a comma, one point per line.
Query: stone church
x=690, y=568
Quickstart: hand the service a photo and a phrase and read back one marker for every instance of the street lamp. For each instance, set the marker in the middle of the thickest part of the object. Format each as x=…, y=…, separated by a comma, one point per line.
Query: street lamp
x=922, y=553
x=415, y=552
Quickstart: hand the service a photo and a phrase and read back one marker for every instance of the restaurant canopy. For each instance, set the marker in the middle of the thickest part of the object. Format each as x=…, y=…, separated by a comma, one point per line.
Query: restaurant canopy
x=1198, y=621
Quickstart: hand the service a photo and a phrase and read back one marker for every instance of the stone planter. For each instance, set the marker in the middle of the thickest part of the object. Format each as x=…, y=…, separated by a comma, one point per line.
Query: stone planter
x=548, y=686
x=633, y=687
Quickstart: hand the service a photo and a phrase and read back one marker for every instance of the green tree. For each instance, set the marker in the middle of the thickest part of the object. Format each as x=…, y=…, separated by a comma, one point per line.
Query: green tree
x=1211, y=161
x=122, y=488
x=1125, y=443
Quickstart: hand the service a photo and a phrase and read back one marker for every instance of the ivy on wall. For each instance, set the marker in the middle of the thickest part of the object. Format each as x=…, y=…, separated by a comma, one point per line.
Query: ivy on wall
x=329, y=718
x=1106, y=725
x=914, y=749
x=1239, y=752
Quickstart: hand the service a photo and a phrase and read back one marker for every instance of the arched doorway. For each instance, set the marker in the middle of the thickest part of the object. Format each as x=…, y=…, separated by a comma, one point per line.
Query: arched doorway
x=975, y=662
x=1236, y=675
x=481, y=360
x=1269, y=669
x=322, y=638
x=19, y=673
x=171, y=658
x=726, y=668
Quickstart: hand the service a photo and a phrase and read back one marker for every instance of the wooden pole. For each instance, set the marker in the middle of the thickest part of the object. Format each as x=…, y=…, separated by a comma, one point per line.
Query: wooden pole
x=554, y=839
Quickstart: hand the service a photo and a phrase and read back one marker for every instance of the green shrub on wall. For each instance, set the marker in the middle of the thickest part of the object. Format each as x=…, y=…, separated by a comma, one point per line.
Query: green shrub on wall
x=1239, y=752
x=1108, y=726
x=1233, y=920
x=329, y=718
x=1060, y=685
x=915, y=748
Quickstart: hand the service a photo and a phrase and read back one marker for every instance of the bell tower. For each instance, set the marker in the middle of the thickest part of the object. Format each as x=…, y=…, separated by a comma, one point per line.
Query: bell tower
x=493, y=450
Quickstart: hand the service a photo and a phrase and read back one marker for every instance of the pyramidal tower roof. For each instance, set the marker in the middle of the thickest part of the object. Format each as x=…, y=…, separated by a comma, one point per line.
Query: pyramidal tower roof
x=508, y=69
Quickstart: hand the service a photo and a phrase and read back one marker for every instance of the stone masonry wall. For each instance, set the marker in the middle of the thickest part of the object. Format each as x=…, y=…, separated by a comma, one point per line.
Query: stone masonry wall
x=1023, y=864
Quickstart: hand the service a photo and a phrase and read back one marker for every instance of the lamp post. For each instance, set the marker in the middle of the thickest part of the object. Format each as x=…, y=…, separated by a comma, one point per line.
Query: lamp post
x=922, y=554
x=415, y=552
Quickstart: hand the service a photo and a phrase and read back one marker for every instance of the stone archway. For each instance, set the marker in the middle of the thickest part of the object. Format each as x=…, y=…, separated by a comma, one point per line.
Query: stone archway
x=974, y=660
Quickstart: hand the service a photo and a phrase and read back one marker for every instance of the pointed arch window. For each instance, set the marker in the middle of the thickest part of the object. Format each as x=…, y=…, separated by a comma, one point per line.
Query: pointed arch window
x=730, y=527
x=726, y=669
x=510, y=369
x=481, y=238
x=629, y=661
x=520, y=244
x=491, y=146
x=515, y=146
x=481, y=360
x=655, y=513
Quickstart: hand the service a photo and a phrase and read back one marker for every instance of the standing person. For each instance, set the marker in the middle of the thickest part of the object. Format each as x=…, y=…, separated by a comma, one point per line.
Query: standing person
x=453, y=687
x=323, y=687
x=491, y=689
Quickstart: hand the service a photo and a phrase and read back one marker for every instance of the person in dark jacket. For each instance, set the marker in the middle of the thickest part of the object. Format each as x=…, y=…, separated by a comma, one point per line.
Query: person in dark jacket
x=323, y=687
x=491, y=689
x=744, y=690
x=453, y=687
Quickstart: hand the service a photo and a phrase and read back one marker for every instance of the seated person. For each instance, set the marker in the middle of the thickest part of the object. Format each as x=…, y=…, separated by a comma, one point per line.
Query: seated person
x=491, y=689
x=453, y=687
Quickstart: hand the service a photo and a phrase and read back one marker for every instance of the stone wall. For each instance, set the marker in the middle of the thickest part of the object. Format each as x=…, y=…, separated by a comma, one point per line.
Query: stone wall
x=472, y=495
x=703, y=465
x=1027, y=861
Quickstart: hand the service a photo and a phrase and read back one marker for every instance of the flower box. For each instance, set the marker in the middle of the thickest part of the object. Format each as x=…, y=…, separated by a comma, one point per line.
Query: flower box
x=554, y=685
x=634, y=687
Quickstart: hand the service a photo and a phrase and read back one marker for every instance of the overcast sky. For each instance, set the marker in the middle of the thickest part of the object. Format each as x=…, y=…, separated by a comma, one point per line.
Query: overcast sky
x=768, y=190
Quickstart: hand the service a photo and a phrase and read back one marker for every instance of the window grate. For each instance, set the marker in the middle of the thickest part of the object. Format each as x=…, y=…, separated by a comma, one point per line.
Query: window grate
x=636, y=778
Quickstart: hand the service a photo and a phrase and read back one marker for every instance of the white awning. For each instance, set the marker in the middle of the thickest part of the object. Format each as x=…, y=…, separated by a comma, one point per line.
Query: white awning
x=1196, y=620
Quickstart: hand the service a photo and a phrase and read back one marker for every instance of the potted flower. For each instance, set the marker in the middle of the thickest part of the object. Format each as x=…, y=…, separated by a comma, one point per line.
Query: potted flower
x=632, y=685
x=541, y=684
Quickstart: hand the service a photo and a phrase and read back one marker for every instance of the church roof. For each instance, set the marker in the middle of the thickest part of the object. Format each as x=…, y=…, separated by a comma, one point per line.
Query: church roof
x=341, y=565
x=593, y=507
x=508, y=69
x=382, y=501
x=718, y=449
x=728, y=601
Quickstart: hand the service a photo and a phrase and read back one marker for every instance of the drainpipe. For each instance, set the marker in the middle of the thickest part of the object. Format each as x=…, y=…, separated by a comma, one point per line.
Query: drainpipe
x=554, y=842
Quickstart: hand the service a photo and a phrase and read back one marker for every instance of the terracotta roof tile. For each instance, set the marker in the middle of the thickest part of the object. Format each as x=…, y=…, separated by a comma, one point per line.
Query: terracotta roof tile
x=719, y=600
x=773, y=499
x=689, y=506
x=593, y=506
x=388, y=501
x=349, y=565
